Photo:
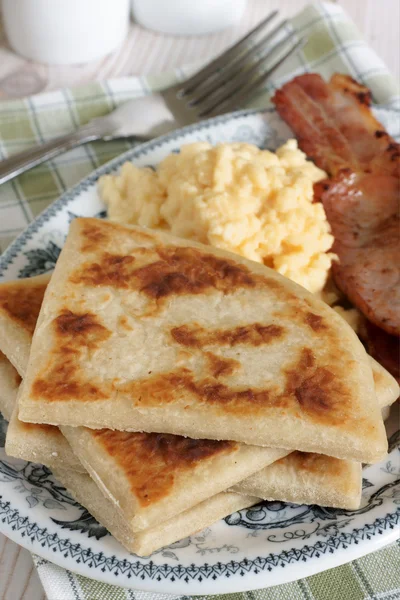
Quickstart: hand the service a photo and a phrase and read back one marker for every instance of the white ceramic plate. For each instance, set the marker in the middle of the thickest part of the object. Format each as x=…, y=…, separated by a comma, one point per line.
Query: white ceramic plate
x=269, y=544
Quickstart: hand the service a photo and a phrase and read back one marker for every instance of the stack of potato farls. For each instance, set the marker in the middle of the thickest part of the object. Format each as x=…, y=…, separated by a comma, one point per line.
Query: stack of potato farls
x=171, y=384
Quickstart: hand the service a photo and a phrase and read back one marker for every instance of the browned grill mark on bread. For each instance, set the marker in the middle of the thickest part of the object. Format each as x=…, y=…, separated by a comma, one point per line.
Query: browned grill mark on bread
x=195, y=336
x=94, y=235
x=22, y=303
x=80, y=329
x=175, y=385
x=176, y=271
x=316, y=389
x=309, y=391
x=62, y=378
x=152, y=480
x=98, y=233
x=112, y=270
x=316, y=322
x=189, y=271
x=219, y=366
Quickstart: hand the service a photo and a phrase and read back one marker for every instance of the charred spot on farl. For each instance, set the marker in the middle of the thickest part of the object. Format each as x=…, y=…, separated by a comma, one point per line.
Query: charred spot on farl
x=169, y=271
x=319, y=393
x=183, y=270
x=220, y=366
x=93, y=235
x=316, y=322
x=62, y=378
x=112, y=270
x=170, y=455
x=80, y=329
x=254, y=334
x=22, y=303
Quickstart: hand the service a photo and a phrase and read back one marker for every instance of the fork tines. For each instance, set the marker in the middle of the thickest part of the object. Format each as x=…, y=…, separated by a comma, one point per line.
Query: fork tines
x=236, y=75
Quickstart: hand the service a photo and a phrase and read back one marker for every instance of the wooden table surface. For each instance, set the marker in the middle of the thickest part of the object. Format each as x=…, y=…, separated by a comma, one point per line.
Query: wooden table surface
x=147, y=52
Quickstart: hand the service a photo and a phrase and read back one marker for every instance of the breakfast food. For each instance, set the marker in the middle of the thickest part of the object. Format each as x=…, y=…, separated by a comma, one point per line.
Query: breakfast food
x=233, y=196
x=45, y=444
x=298, y=478
x=9, y=384
x=307, y=478
x=335, y=126
x=143, y=543
x=129, y=321
x=153, y=477
x=143, y=337
x=109, y=499
x=20, y=302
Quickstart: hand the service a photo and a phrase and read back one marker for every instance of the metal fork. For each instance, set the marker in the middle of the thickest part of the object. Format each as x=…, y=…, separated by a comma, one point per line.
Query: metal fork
x=221, y=86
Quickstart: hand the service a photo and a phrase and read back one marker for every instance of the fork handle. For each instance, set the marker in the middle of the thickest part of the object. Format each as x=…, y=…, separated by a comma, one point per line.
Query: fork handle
x=21, y=162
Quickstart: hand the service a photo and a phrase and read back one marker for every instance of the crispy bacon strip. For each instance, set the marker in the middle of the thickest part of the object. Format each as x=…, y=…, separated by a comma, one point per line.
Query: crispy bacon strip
x=336, y=128
x=362, y=210
x=317, y=135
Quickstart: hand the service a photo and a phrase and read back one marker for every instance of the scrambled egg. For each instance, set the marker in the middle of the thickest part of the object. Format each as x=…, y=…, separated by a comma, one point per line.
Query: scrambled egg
x=233, y=196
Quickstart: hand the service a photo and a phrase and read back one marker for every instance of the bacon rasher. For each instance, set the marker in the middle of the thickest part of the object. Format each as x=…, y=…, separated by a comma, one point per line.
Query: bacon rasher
x=336, y=128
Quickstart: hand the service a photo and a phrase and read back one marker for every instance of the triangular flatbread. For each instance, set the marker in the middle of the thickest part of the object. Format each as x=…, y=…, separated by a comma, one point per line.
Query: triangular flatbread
x=153, y=477
x=197, y=469
x=147, y=541
x=142, y=331
x=46, y=445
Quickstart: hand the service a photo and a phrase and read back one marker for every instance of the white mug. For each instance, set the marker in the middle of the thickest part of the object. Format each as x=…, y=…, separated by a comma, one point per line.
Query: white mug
x=187, y=17
x=65, y=31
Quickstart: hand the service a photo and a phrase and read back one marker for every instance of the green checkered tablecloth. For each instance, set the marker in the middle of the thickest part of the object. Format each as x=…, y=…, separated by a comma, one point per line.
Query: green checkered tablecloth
x=334, y=44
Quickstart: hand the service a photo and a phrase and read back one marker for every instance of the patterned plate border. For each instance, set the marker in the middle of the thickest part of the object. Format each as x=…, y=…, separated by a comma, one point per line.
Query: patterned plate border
x=82, y=555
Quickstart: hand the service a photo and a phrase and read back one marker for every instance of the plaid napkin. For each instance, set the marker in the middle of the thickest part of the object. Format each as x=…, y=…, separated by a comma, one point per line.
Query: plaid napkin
x=334, y=44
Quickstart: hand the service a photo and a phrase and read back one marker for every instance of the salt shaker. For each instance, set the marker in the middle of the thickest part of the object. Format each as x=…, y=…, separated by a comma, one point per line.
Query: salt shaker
x=65, y=31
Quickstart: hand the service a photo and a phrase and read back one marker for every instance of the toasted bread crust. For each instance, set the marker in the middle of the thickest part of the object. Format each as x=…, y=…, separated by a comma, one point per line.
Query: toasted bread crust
x=151, y=461
x=21, y=301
